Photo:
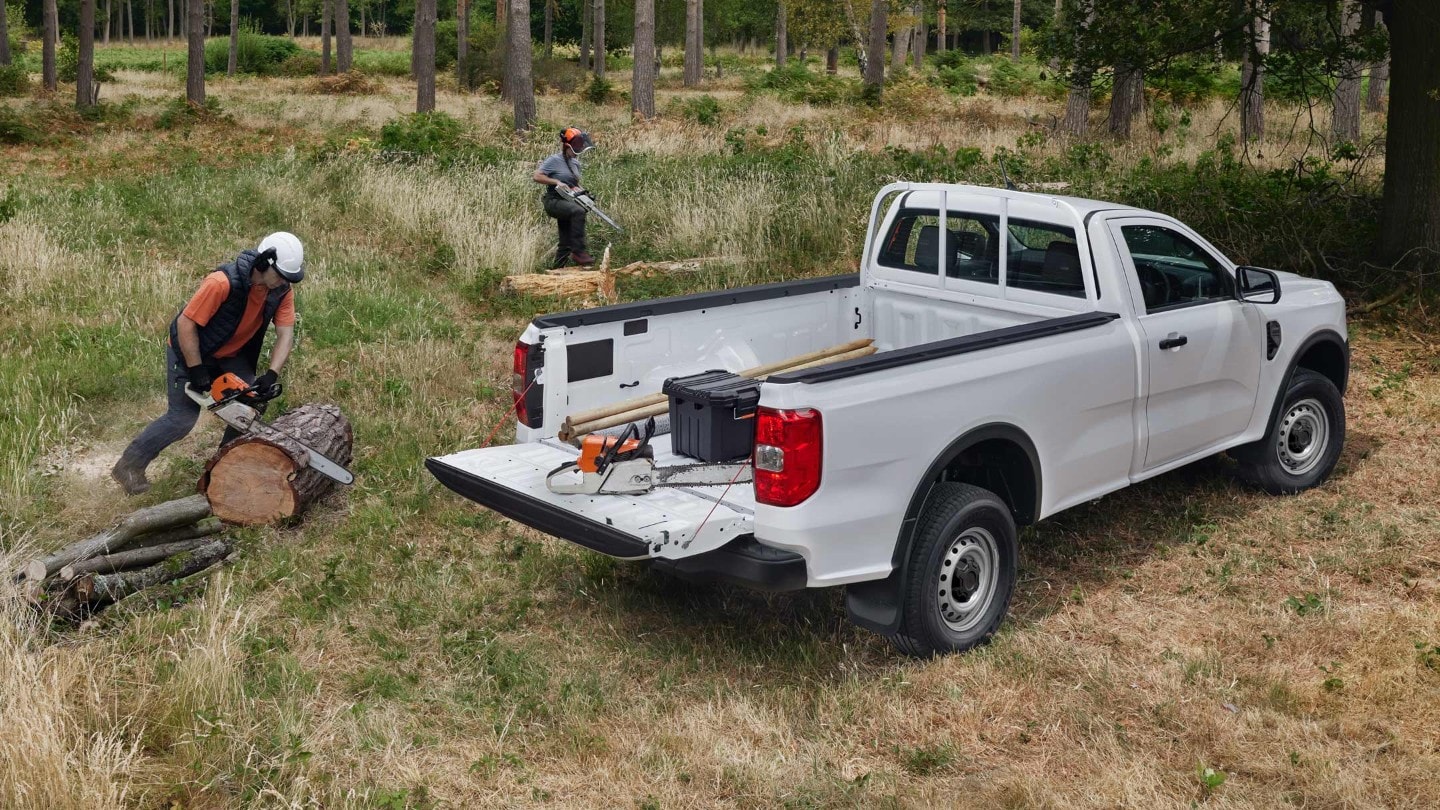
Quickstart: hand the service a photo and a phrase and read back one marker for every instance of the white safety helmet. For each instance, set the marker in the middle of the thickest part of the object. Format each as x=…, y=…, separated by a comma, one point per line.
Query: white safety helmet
x=288, y=257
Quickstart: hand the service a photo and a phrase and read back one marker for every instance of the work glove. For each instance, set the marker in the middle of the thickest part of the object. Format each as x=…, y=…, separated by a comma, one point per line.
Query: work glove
x=265, y=383
x=200, y=378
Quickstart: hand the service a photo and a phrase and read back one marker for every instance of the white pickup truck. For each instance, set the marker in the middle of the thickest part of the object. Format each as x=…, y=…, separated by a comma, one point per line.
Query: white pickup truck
x=1035, y=352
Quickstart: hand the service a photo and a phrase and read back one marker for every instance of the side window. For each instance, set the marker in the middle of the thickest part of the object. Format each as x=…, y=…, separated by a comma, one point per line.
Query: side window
x=913, y=243
x=1174, y=271
x=1044, y=258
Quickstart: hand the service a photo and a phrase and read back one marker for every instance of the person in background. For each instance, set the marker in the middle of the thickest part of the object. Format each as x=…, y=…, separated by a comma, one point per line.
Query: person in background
x=563, y=169
x=221, y=330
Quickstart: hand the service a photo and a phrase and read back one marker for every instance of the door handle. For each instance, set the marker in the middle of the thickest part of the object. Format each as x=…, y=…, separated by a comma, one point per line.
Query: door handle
x=1174, y=341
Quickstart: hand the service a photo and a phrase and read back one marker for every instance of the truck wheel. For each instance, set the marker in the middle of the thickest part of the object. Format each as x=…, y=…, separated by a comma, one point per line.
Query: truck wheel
x=1300, y=449
x=961, y=572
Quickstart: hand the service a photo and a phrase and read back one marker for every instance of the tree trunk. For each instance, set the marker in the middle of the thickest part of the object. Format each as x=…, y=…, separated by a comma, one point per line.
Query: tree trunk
x=129, y=23
x=1410, y=206
x=642, y=82
x=1375, y=95
x=195, y=62
x=109, y=15
x=1015, y=33
x=875, y=54
x=940, y=27
x=900, y=48
x=694, y=55
x=47, y=49
x=85, y=67
x=462, y=44
x=258, y=480
x=782, y=36
x=522, y=84
x=4, y=36
x=549, y=29
x=599, y=24
x=327, y=13
x=424, y=47
x=1077, y=105
x=234, y=37
x=1346, y=115
x=832, y=60
x=149, y=554
x=182, y=512
x=1252, y=81
x=170, y=23
x=344, y=50
x=101, y=589
x=917, y=49
x=587, y=14
x=1127, y=100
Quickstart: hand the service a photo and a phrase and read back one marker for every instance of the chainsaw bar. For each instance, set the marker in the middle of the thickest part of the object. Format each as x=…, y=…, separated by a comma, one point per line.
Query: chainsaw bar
x=233, y=411
x=640, y=475
x=584, y=200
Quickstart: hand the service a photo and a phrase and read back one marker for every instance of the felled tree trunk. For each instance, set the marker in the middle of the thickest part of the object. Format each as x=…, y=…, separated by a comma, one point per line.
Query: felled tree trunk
x=259, y=480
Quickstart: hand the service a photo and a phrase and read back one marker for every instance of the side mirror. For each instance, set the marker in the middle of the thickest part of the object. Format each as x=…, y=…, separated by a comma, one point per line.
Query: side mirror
x=1257, y=285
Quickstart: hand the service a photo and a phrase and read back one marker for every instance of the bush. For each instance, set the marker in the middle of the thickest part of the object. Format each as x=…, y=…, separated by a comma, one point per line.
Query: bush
x=599, y=91
x=305, y=63
x=956, y=74
x=432, y=134
x=559, y=75
x=447, y=39
x=180, y=113
x=795, y=82
x=67, y=62
x=14, y=81
x=14, y=129
x=257, y=54
x=1007, y=80
x=703, y=110
x=1187, y=80
x=353, y=83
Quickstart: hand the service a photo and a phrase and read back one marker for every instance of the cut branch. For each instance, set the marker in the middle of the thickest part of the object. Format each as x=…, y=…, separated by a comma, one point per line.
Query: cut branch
x=122, y=534
x=133, y=558
x=103, y=588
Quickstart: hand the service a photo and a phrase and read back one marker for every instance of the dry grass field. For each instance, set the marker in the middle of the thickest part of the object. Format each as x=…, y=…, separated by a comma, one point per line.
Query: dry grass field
x=1185, y=642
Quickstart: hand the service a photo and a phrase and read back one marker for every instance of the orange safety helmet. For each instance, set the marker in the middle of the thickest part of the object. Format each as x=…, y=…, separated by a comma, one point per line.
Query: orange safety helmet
x=577, y=139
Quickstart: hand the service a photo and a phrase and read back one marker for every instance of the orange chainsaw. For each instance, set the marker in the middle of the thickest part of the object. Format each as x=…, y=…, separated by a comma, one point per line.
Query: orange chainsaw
x=625, y=465
x=236, y=403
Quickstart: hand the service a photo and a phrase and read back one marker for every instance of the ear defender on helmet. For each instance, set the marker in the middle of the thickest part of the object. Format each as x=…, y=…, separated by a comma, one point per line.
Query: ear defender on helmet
x=266, y=260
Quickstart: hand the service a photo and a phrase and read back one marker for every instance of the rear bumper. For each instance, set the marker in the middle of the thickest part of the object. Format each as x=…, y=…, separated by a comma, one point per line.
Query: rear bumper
x=538, y=514
x=742, y=561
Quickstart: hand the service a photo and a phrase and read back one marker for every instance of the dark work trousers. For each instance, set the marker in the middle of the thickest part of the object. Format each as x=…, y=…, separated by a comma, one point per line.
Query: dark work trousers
x=178, y=420
x=570, y=222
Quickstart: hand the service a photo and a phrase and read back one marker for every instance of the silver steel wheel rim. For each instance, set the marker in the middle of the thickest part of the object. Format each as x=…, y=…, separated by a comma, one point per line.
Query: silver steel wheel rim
x=969, y=575
x=1303, y=437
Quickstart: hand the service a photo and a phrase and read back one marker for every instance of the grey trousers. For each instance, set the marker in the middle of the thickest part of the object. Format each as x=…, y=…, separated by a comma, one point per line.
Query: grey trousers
x=179, y=419
x=570, y=221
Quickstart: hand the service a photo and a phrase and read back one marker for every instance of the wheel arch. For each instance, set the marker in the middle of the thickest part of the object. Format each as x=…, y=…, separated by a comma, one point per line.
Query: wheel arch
x=1325, y=352
x=997, y=452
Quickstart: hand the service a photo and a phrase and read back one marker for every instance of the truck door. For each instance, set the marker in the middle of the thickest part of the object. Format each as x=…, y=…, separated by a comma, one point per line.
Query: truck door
x=1202, y=349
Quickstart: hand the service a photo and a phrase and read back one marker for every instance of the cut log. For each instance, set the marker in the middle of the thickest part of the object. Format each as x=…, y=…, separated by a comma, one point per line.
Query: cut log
x=131, y=558
x=122, y=534
x=569, y=431
x=758, y=372
x=103, y=588
x=204, y=528
x=567, y=281
x=255, y=480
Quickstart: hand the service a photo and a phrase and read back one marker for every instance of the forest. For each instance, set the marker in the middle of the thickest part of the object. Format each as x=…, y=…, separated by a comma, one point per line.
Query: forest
x=1188, y=643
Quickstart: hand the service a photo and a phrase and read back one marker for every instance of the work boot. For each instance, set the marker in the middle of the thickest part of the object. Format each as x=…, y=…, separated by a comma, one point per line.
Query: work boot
x=131, y=477
x=584, y=259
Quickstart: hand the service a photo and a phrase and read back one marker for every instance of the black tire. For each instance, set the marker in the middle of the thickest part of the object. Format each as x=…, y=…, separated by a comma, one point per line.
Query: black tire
x=963, y=528
x=1289, y=460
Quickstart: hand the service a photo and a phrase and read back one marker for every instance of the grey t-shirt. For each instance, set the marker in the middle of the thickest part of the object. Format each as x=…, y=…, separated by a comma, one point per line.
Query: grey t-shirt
x=558, y=168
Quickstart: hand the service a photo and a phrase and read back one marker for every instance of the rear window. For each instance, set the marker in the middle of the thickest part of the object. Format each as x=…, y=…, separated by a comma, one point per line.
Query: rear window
x=913, y=243
x=1044, y=258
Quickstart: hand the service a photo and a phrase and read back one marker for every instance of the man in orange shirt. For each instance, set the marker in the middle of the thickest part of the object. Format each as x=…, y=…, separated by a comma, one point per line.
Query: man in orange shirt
x=221, y=330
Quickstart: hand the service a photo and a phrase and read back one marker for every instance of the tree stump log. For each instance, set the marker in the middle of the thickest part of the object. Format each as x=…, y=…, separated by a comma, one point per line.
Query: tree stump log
x=130, y=528
x=261, y=479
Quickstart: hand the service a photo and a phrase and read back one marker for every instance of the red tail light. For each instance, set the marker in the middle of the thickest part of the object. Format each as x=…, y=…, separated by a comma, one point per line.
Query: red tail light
x=787, y=455
x=526, y=392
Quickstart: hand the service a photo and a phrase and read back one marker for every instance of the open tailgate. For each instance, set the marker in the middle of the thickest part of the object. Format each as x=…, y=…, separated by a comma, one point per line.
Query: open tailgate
x=663, y=523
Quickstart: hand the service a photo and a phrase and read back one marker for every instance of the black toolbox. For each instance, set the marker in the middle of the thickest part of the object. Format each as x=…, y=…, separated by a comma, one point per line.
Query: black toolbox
x=712, y=415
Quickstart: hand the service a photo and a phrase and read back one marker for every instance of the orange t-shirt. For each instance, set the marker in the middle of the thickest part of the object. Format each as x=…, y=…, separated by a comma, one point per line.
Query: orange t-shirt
x=213, y=292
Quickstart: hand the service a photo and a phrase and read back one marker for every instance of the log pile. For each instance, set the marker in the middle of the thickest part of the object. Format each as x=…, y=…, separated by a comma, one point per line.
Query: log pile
x=261, y=479
x=641, y=408
x=148, y=547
